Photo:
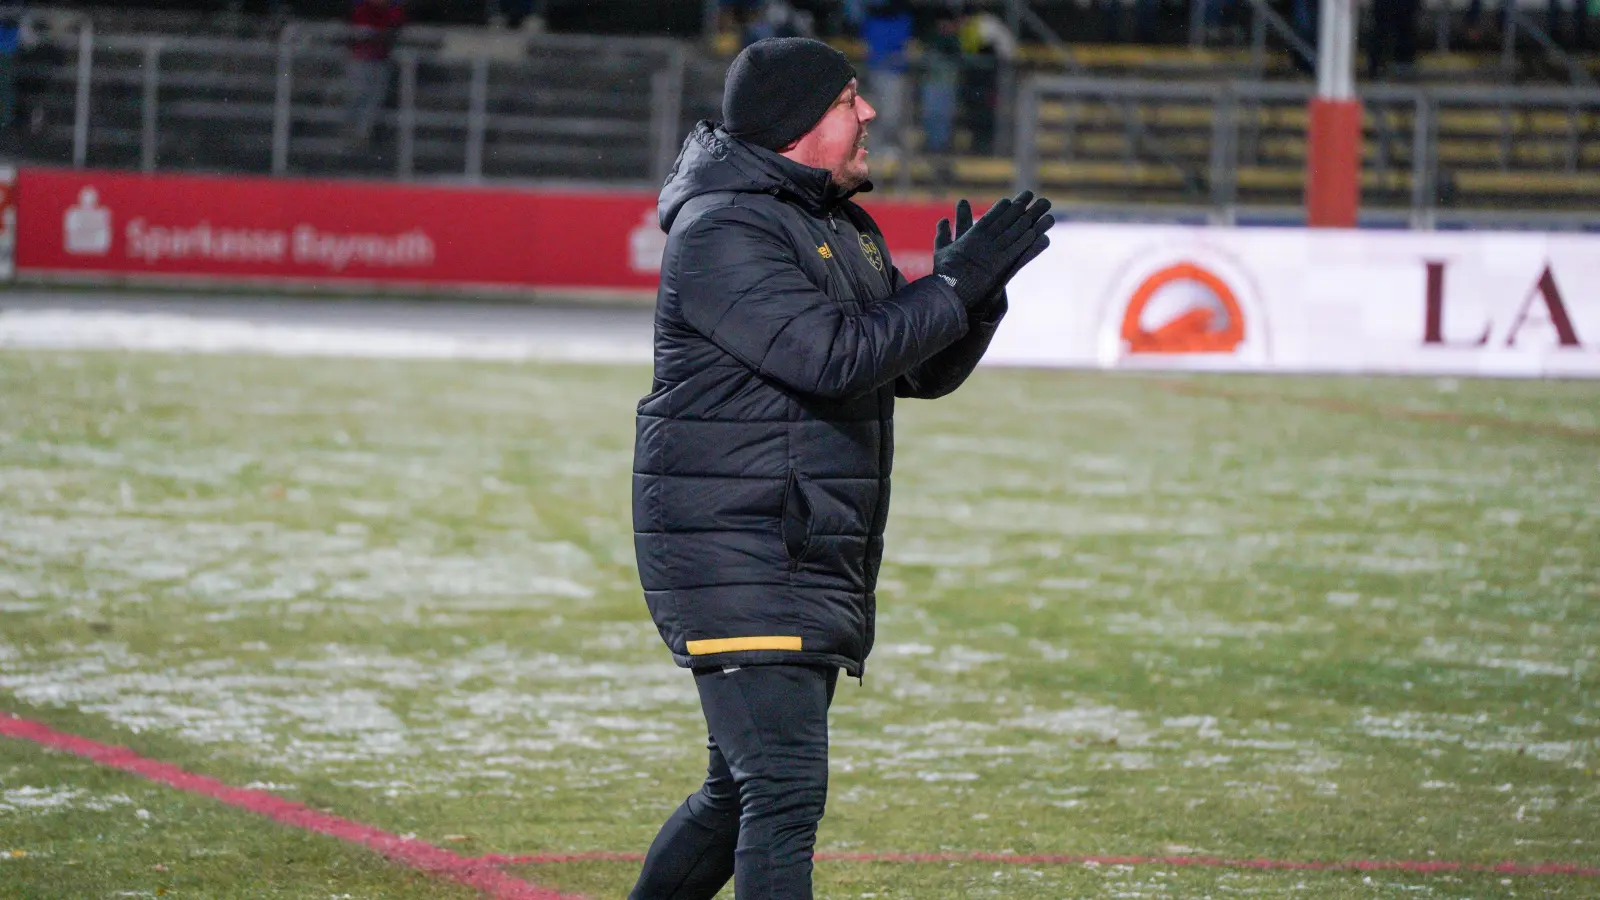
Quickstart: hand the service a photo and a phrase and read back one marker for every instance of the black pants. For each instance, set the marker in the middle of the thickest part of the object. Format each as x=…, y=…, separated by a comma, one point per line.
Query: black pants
x=1394, y=34
x=755, y=818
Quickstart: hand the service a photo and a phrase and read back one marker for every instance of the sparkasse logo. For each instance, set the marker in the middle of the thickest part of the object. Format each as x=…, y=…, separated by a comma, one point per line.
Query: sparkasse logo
x=86, y=226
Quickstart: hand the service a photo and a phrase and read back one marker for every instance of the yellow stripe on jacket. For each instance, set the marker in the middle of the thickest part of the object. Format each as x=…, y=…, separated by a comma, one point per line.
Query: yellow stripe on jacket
x=729, y=645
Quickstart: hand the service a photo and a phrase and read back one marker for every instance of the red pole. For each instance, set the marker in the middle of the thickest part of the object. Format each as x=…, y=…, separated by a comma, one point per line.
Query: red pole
x=1333, y=138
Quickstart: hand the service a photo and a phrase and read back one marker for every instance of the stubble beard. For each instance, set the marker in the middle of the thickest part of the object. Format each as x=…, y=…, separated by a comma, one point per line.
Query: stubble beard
x=854, y=172
x=851, y=175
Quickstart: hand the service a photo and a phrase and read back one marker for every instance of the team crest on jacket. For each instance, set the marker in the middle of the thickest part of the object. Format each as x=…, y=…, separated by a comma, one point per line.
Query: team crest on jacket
x=874, y=255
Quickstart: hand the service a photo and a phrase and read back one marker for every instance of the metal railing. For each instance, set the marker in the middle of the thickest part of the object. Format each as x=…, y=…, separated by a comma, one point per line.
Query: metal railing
x=1403, y=163
x=1264, y=20
x=1518, y=22
x=458, y=115
x=290, y=97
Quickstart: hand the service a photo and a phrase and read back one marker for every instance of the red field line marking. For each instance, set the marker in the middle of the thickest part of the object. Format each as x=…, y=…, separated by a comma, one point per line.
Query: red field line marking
x=483, y=873
x=1051, y=859
x=416, y=854
x=1339, y=405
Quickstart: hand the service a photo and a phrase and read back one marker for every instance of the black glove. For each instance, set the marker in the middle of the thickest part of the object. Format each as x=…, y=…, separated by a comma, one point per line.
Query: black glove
x=985, y=255
x=986, y=308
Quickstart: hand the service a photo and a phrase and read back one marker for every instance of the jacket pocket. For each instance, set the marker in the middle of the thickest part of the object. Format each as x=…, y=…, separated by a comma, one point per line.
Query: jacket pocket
x=796, y=524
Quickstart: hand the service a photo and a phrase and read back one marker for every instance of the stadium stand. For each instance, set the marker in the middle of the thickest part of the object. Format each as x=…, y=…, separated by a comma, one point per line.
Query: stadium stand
x=1175, y=124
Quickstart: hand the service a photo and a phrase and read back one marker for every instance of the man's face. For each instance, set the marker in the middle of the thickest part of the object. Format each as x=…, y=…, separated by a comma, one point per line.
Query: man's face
x=838, y=142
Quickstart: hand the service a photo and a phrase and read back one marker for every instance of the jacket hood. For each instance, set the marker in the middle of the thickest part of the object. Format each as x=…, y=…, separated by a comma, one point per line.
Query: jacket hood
x=712, y=160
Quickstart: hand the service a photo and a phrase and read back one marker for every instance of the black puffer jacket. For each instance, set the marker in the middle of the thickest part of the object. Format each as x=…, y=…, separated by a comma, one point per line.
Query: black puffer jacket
x=783, y=334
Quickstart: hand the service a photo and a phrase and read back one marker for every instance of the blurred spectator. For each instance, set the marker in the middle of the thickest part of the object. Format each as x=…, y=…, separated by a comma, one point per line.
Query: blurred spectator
x=1582, y=10
x=38, y=55
x=1107, y=19
x=778, y=18
x=833, y=18
x=887, y=32
x=1146, y=15
x=1394, y=38
x=941, y=78
x=11, y=18
x=854, y=13
x=1476, y=31
x=1216, y=19
x=734, y=15
x=1305, y=17
x=376, y=26
x=531, y=14
x=986, y=44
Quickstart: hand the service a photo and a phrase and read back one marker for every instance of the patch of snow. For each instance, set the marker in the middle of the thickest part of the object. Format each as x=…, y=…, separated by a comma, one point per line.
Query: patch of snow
x=66, y=329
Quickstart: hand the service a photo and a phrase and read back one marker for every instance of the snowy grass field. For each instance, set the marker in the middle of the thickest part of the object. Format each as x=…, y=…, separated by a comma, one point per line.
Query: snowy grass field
x=1247, y=618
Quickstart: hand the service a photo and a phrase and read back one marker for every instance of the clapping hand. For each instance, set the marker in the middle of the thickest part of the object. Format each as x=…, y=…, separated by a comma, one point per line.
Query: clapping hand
x=978, y=259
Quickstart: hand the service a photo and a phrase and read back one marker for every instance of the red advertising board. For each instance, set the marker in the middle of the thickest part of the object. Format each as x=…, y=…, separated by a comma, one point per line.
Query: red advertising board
x=87, y=223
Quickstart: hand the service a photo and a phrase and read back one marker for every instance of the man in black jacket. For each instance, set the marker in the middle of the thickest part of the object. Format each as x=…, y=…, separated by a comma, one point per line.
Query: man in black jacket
x=761, y=463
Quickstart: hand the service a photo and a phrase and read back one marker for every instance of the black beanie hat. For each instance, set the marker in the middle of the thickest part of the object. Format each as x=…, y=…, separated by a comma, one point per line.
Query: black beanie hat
x=778, y=88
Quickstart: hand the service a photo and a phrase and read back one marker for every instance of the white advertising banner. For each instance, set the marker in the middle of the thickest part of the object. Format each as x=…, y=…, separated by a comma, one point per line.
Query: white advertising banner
x=1298, y=300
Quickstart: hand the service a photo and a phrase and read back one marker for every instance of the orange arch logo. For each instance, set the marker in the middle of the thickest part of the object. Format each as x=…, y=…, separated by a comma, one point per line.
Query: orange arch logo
x=1183, y=308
